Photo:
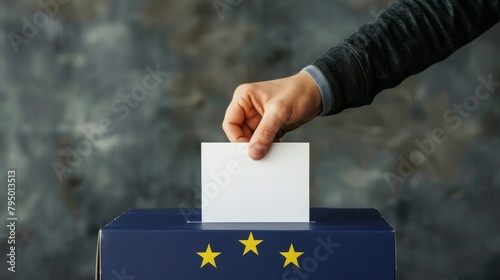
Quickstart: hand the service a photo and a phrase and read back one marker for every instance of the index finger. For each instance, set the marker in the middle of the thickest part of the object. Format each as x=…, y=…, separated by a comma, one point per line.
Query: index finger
x=233, y=124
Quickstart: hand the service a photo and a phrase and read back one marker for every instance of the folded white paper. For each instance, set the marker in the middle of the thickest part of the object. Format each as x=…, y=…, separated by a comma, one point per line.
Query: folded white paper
x=236, y=188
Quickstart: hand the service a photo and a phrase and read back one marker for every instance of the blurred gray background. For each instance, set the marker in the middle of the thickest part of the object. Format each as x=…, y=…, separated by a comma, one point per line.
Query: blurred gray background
x=68, y=70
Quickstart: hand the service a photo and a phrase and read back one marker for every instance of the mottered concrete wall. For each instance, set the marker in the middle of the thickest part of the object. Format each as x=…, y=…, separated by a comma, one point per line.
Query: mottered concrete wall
x=103, y=105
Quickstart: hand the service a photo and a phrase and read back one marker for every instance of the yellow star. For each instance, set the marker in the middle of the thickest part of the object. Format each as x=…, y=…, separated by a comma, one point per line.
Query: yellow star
x=250, y=244
x=208, y=256
x=291, y=256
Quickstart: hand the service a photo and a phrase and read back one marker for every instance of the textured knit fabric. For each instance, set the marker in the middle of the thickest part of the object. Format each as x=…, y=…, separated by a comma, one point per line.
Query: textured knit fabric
x=323, y=86
x=405, y=39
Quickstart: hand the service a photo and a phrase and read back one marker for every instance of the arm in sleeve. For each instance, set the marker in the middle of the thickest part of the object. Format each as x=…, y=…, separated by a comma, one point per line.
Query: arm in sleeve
x=405, y=39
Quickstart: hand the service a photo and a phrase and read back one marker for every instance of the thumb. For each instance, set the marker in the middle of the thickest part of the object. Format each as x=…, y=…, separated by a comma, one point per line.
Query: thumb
x=264, y=135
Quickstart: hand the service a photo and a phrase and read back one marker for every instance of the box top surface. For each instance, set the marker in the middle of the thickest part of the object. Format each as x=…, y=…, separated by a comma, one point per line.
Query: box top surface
x=189, y=220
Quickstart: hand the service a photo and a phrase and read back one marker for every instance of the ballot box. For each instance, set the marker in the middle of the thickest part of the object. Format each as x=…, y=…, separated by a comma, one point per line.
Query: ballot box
x=163, y=244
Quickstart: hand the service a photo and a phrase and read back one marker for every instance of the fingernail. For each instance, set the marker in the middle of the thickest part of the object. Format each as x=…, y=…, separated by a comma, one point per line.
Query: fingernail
x=257, y=150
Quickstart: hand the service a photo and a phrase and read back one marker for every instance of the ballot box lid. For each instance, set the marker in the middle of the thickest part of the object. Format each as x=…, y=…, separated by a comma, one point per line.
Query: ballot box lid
x=364, y=219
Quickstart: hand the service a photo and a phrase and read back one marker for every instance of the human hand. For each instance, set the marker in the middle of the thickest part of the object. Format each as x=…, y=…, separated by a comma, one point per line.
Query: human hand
x=263, y=112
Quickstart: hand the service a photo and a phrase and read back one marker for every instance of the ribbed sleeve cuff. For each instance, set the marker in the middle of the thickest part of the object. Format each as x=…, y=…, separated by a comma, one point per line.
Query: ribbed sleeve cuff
x=323, y=86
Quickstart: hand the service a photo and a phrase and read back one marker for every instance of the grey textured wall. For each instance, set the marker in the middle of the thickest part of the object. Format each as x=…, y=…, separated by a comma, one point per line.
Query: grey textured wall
x=67, y=74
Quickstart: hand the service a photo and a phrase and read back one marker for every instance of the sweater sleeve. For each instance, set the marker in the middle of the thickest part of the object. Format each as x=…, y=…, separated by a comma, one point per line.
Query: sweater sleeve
x=405, y=39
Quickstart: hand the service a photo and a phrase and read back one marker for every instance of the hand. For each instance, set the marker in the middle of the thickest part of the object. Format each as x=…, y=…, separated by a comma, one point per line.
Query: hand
x=261, y=113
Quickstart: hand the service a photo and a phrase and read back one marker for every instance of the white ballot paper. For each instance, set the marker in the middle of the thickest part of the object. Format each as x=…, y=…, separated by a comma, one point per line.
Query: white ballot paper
x=236, y=188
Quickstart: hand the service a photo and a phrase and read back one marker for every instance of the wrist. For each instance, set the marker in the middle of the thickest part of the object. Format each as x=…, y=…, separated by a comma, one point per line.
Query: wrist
x=308, y=85
x=323, y=87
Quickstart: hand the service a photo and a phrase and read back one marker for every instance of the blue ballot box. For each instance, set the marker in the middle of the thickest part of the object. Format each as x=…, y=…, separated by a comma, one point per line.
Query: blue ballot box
x=168, y=244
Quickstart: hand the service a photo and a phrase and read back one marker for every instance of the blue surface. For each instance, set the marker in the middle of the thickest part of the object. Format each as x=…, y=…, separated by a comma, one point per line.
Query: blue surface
x=161, y=244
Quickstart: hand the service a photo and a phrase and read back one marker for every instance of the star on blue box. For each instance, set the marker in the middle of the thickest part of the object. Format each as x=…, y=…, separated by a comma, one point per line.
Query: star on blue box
x=173, y=244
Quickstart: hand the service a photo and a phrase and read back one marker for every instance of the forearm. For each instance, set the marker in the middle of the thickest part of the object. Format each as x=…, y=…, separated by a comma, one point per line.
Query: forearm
x=407, y=38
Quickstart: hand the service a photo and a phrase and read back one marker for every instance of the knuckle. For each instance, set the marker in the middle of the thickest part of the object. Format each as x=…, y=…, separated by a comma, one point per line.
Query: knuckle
x=267, y=133
x=244, y=89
